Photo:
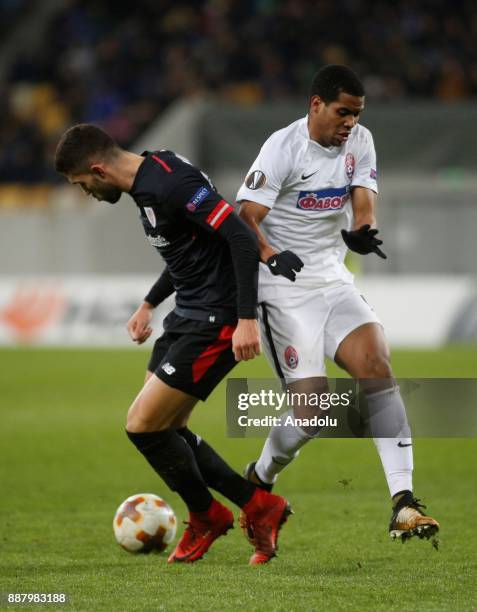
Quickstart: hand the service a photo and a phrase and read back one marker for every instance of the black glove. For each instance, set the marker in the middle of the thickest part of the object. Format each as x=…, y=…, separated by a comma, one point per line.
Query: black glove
x=363, y=241
x=286, y=264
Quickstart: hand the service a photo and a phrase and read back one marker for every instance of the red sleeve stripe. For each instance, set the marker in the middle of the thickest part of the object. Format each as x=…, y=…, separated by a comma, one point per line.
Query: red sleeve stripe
x=219, y=214
x=163, y=163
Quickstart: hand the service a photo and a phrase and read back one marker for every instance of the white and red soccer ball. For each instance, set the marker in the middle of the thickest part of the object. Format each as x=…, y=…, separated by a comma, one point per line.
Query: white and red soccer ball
x=144, y=522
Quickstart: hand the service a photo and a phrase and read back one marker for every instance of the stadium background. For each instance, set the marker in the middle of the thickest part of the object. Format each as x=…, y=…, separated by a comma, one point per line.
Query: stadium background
x=211, y=80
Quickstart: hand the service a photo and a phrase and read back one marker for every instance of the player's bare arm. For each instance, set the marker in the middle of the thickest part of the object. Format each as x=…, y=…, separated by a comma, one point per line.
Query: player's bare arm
x=362, y=239
x=286, y=263
x=253, y=214
x=364, y=203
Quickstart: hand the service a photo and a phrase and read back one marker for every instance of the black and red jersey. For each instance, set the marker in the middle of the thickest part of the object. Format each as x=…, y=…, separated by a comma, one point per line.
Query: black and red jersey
x=210, y=253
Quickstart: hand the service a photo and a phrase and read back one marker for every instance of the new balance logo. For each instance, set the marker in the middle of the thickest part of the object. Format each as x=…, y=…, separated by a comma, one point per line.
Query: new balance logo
x=401, y=445
x=168, y=368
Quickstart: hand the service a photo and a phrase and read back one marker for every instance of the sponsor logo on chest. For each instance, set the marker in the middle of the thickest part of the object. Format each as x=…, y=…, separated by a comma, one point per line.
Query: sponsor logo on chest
x=323, y=199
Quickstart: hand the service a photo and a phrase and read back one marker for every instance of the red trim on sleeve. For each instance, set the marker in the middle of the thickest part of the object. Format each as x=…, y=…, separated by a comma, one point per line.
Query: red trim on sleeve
x=210, y=355
x=219, y=214
x=162, y=162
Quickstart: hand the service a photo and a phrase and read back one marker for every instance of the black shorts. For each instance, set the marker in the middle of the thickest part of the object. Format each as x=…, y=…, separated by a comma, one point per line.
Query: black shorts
x=193, y=356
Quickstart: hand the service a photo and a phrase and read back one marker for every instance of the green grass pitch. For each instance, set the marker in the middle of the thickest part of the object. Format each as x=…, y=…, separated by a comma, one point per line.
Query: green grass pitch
x=66, y=465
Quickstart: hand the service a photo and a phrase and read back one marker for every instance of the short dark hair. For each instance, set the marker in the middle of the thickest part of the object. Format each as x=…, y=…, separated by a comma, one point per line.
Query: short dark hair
x=79, y=144
x=333, y=79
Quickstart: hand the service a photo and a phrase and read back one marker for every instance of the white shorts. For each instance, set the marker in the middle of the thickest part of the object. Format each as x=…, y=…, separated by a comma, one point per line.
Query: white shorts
x=299, y=330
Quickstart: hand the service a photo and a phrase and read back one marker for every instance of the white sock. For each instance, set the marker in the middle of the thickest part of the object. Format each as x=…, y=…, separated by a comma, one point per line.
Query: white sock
x=281, y=447
x=388, y=418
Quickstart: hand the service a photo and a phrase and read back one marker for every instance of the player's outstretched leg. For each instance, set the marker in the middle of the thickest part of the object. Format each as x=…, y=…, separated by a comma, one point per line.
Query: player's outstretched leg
x=365, y=355
x=284, y=441
x=174, y=461
x=408, y=520
x=388, y=417
x=281, y=447
x=262, y=514
x=152, y=427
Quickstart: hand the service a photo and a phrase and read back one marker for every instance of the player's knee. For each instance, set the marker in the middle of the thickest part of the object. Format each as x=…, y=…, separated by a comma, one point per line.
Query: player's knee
x=138, y=425
x=134, y=425
x=138, y=422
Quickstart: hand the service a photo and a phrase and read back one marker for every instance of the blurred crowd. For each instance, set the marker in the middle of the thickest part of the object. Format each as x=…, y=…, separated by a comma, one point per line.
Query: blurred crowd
x=120, y=64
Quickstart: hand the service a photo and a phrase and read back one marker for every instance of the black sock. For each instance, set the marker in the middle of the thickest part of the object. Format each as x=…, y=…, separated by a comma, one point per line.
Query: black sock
x=217, y=474
x=174, y=461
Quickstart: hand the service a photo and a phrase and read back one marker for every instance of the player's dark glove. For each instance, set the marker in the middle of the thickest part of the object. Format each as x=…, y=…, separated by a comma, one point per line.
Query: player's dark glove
x=363, y=241
x=286, y=264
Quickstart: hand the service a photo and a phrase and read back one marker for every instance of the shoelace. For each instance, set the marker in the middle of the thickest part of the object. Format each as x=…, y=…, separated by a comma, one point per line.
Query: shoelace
x=416, y=505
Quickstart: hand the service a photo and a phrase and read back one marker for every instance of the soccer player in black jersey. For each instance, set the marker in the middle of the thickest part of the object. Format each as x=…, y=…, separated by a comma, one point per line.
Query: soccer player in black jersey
x=211, y=261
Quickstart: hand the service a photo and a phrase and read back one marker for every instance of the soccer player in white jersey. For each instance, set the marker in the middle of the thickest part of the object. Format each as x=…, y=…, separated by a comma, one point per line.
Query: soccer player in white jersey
x=310, y=195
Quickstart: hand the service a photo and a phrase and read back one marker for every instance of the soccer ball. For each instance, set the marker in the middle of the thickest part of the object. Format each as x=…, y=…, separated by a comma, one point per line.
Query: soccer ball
x=144, y=522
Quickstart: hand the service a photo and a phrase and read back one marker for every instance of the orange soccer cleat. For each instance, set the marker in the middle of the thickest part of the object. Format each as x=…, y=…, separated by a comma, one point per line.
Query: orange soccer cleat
x=408, y=520
x=261, y=520
x=203, y=528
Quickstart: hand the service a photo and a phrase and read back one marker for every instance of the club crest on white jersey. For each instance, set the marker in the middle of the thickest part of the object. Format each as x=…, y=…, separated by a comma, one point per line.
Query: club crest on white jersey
x=350, y=164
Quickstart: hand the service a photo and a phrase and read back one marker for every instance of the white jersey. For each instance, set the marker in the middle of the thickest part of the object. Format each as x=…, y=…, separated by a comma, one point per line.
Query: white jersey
x=308, y=189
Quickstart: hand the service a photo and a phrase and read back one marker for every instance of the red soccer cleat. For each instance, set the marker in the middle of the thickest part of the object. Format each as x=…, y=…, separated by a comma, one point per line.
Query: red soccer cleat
x=264, y=515
x=203, y=528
